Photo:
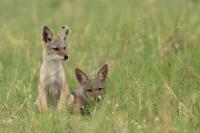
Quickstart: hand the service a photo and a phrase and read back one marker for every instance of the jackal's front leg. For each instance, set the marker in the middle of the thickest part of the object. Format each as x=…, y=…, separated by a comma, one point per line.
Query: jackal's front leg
x=63, y=98
x=41, y=101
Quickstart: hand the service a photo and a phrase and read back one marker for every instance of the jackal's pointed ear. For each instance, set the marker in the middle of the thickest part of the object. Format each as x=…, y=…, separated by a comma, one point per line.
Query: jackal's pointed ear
x=64, y=27
x=47, y=35
x=81, y=77
x=103, y=72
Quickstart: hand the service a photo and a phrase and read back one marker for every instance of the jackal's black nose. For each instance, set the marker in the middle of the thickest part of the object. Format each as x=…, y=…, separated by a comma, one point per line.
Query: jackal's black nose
x=65, y=57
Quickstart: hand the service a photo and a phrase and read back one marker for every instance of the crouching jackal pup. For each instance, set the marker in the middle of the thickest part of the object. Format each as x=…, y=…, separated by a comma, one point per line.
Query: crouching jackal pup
x=91, y=88
x=53, y=89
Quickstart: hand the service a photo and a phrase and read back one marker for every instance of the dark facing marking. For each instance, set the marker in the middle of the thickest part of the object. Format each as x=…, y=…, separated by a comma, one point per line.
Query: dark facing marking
x=67, y=32
x=100, y=89
x=45, y=36
x=49, y=39
x=56, y=49
x=89, y=90
x=46, y=33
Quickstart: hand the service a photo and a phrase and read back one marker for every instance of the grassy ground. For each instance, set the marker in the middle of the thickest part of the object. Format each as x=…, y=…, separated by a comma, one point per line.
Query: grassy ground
x=152, y=48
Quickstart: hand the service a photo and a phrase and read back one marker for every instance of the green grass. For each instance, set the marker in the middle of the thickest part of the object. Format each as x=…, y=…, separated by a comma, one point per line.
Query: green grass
x=152, y=48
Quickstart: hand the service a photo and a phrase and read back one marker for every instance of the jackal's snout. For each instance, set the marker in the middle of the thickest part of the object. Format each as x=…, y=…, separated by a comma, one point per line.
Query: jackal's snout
x=63, y=53
x=65, y=57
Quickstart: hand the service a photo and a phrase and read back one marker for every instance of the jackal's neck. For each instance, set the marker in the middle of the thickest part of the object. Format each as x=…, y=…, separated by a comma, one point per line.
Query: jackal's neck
x=48, y=62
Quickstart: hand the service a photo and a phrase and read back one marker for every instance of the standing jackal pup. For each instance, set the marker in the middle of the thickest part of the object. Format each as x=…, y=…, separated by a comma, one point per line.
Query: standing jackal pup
x=90, y=88
x=52, y=85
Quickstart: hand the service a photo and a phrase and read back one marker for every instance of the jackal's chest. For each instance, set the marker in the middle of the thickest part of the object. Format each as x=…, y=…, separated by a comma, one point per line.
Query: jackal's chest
x=53, y=83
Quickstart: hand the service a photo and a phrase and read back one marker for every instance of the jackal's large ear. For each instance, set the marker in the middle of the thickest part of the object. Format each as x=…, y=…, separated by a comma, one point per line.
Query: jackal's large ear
x=66, y=29
x=81, y=77
x=103, y=72
x=47, y=35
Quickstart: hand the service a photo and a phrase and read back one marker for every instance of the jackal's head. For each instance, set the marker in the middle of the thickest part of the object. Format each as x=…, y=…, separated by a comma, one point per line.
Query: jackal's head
x=93, y=87
x=55, y=47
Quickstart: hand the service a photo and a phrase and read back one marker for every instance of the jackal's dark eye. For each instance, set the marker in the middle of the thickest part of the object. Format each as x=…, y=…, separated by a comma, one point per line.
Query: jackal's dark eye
x=64, y=47
x=89, y=90
x=100, y=89
x=56, y=49
x=49, y=39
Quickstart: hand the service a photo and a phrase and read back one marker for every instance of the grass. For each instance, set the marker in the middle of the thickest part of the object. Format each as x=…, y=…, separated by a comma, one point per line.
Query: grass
x=152, y=48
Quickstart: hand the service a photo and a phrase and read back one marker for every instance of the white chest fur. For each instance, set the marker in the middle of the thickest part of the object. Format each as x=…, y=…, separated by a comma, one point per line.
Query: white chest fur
x=52, y=75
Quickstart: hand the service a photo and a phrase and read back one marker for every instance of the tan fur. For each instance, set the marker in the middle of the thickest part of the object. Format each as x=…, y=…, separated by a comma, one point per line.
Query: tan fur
x=53, y=88
x=91, y=88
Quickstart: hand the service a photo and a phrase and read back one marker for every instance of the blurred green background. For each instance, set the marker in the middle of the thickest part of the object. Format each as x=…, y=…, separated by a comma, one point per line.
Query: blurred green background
x=152, y=48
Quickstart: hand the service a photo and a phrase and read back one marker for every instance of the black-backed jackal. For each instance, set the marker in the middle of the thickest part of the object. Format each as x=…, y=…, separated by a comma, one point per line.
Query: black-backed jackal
x=90, y=88
x=53, y=88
